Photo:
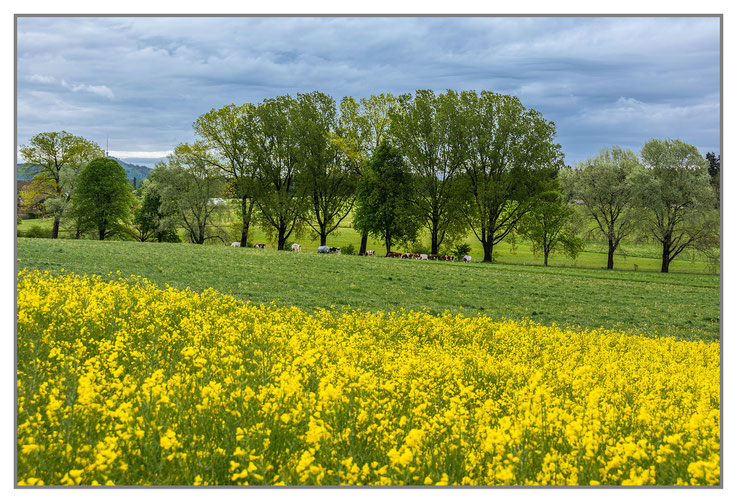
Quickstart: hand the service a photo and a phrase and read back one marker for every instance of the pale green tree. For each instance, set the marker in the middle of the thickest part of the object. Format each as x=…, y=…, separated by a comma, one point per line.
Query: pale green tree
x=605, y=185
x=677, y=198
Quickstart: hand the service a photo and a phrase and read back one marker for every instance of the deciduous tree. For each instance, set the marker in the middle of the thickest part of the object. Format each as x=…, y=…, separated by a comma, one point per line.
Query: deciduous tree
x=384, y=209
x=280, y=199
x=510, y=156
x=677, y=197
x=58, y=157
x=103, y=197
x=226, y=132
x=606, y=185
x=428, y=130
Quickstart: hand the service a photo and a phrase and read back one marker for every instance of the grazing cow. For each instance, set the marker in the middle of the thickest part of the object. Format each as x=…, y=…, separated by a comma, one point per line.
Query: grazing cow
x=432, y=256
x=296, y=247
x=392, y=254
x=261, y=246
x=406, y=255
x=448, y=258
x=467, y=258
x=328, y=249
x=235, y=243
x=423, y=256
x=370, y=253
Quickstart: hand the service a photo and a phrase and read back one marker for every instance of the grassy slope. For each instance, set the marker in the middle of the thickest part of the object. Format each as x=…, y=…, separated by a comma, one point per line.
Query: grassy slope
x=682, y=305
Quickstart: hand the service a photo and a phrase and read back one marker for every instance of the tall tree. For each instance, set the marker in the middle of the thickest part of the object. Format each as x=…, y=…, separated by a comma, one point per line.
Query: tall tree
x=275, y=145
x=606, y=186
x=428, y=130
x=327, y=174
x=59, y=158
x=190, y=185
x=510, y=155
x=103, y=197
x=676, y=195
x=225, y=132
x=384, y=209
x=362, y=126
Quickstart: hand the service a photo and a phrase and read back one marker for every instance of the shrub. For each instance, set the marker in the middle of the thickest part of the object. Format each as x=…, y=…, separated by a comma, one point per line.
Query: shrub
x=37, y=231
x=348, y=250
x=461, y=250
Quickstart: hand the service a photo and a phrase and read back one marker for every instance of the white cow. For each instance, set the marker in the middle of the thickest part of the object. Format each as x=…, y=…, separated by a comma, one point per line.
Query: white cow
x=467, y=258
x=370, y=253
x=423, y=256
x=296, y=247
x=235, y=243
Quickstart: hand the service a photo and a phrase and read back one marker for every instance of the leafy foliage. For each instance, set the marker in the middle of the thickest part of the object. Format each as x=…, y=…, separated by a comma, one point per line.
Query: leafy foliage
x=102, y=198
x=384, y=208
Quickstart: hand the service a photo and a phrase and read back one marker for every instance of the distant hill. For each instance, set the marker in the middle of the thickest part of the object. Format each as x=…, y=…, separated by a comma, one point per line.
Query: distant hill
x=131, y=171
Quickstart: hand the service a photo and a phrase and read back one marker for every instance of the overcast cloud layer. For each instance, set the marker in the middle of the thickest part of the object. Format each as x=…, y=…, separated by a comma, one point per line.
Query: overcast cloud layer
x=143, y=81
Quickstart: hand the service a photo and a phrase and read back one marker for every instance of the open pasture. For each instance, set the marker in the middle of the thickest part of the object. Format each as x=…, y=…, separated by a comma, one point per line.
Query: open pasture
x=684, y=305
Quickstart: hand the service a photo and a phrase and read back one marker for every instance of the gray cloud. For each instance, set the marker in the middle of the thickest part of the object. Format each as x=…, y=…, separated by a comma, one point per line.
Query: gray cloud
x=143, y=81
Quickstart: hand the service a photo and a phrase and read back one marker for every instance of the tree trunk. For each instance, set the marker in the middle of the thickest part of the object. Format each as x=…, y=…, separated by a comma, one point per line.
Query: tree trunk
x=488, y=250
x=55, y=230
x=388, y=242
x=78, y=234
x=666, y=255
x=610, y=256
x=434, y=243
x=101, y=233
x=246, y=221
x=282, y=239
x=323, y=237
x=364, y=243
x=546, y=258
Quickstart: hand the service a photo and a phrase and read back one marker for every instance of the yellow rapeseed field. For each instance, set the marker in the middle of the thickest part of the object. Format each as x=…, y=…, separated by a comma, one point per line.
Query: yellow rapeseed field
x=121, y=382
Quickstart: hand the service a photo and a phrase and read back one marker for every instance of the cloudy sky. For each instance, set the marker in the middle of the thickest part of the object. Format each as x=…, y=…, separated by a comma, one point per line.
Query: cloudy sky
x=143, y=81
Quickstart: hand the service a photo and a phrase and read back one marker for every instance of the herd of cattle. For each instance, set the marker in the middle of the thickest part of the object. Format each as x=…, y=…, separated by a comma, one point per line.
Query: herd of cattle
x=371, y=253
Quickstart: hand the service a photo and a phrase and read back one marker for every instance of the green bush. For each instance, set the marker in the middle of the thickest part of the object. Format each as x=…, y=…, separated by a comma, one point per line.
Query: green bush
x=348, y=250
x=36, y=231
x=461, y=250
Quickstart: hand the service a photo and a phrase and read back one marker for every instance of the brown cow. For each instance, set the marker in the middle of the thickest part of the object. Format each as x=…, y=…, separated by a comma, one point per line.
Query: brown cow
x=392, y=254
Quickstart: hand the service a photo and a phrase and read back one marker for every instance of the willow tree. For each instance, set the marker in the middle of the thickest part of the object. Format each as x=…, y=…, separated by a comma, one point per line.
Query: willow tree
x=57, y=159
x=275, y=145
x=677, y=197
x=189, y=186
x=605, y=185
x=510, y=157
x=225, y=133
x=428, y=129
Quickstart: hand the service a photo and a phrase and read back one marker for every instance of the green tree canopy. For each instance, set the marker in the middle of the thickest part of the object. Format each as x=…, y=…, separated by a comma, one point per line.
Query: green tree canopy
x=103, y=197
x=275, y=144
x=189, y=185
x=605, y=184
x=226, y=132
x=428, y=130
x=57, y=159
x=327, y=174
x=677, y=197
x=384, y=208
x=510, y=156
x=552, y=225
